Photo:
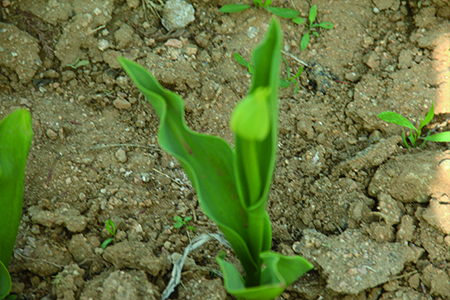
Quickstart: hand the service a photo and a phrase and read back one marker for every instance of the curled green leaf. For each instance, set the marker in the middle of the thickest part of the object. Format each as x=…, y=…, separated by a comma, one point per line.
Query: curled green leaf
x=251, y=118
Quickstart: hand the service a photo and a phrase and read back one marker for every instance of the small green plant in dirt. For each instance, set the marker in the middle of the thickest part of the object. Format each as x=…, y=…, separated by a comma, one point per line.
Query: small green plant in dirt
x=312, y=27
x=111, y=227
x=279, y=11
x=284, y=83
x=180, y=222
x=415, y=133
x=15, y=140
x=78, y=63
x=233, y=184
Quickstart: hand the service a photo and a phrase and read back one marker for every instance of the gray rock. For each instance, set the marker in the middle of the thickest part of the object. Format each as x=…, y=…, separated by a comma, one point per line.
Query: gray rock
x=177, y=14
x=351, y=262
x=121, y=156
x=19, y=51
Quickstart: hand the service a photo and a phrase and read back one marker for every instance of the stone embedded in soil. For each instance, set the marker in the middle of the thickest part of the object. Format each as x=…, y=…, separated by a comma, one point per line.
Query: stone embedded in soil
x=121, y=156
x=44, y=257
x=122, y=104
x=68, y=217
x=136, y=255
x=177, y=14
x=67, y=282
x=19, y=51
x=437, y=214
x=370, y=157
x=202, y=289
x=124, y=36
x=405, y=232
x=413, y=177
x=351, y=262
x=437, y=280
x=120, y=285
x=383, y=4
x=51, y=134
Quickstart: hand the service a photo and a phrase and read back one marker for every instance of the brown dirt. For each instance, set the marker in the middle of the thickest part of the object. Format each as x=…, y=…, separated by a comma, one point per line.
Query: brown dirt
x=370, y=214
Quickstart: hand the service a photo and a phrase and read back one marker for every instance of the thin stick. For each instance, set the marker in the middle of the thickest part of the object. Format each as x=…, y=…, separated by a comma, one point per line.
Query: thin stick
x=153, y=147
x=295, y=58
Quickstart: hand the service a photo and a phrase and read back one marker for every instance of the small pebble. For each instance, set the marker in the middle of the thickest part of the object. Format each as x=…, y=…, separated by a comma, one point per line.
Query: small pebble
x=51, y=134
x=122, y=104
x=121, y=156
x=375, y=136
x=174, y=43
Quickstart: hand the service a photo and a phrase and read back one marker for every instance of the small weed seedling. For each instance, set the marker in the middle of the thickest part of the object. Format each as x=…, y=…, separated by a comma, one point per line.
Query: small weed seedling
x=179, y=222
x=312, y=28
x=415, y=133
x=111, y=229
x=284, y=83
x=279, y=11
x=78, y=63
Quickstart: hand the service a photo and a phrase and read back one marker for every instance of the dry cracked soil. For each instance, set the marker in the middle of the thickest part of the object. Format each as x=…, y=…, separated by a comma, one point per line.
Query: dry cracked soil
x=372, y=215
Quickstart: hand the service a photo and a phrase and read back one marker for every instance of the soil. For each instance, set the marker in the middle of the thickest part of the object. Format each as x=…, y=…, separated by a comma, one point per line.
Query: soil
x=371, y=215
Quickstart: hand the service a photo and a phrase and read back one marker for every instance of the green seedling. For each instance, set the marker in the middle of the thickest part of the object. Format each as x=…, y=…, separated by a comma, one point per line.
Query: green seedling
x=15, y=140
x=78, y=63
x=290, y=79
x=312, y=28
x=284, y=83
x=179, y=222
x=233, y=184
x=109, y=225
x=415, y=133
x=279, y=11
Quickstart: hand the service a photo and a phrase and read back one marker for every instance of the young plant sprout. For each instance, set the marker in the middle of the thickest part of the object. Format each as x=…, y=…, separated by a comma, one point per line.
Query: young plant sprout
x=279, y=11
x=233, y=184
x=109, y=225
x=312, y=28
x=415, y=133
x=179, y=222
x=284, y=83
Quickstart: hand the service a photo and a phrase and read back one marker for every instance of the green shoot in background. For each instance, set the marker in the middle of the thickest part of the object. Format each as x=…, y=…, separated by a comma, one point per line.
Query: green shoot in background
x=15, y=140
x=415, y=133
x=284, y=83
x=233, y=184
x=179, y=222
x=111, y=227
x=279, y=11
x=312, y=28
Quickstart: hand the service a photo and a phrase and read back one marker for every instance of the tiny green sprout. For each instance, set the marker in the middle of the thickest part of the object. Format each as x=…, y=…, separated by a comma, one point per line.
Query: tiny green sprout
x=279, y=11
x=290, y=79
x=179, y=222
x=415, y=133
x=284, y=83
x=109, y=225
x=312, y=28
x=78, y=63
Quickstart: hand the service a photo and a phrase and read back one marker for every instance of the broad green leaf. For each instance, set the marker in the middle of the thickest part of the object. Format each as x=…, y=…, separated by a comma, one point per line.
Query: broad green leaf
x=233, y=8
x=240, y=59
x=15, y=140
x=279, y=272
x=324, y=25
x=312, y=14
x=428, y=117
x=304, y=41
x=268, y=3
x=299, y=20
x=443, y=137
x=5, y=281
x=178, y=225
x=187, y=219
x=283, y=12
x=395, y=118
x=284, y=83
x=207, y=160
x=177, y=219
x=315, y=33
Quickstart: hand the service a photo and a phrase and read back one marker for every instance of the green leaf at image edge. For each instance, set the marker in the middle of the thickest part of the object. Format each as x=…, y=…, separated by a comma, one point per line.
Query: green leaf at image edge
x=5, y=281
x=443, y=137
x=234, y=8
x=15, y=140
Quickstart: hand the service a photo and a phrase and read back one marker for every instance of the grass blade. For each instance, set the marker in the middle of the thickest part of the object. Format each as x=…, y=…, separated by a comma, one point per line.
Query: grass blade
x=234, y=8
x=395, y=118
x=283, y=12
x=443, y=137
